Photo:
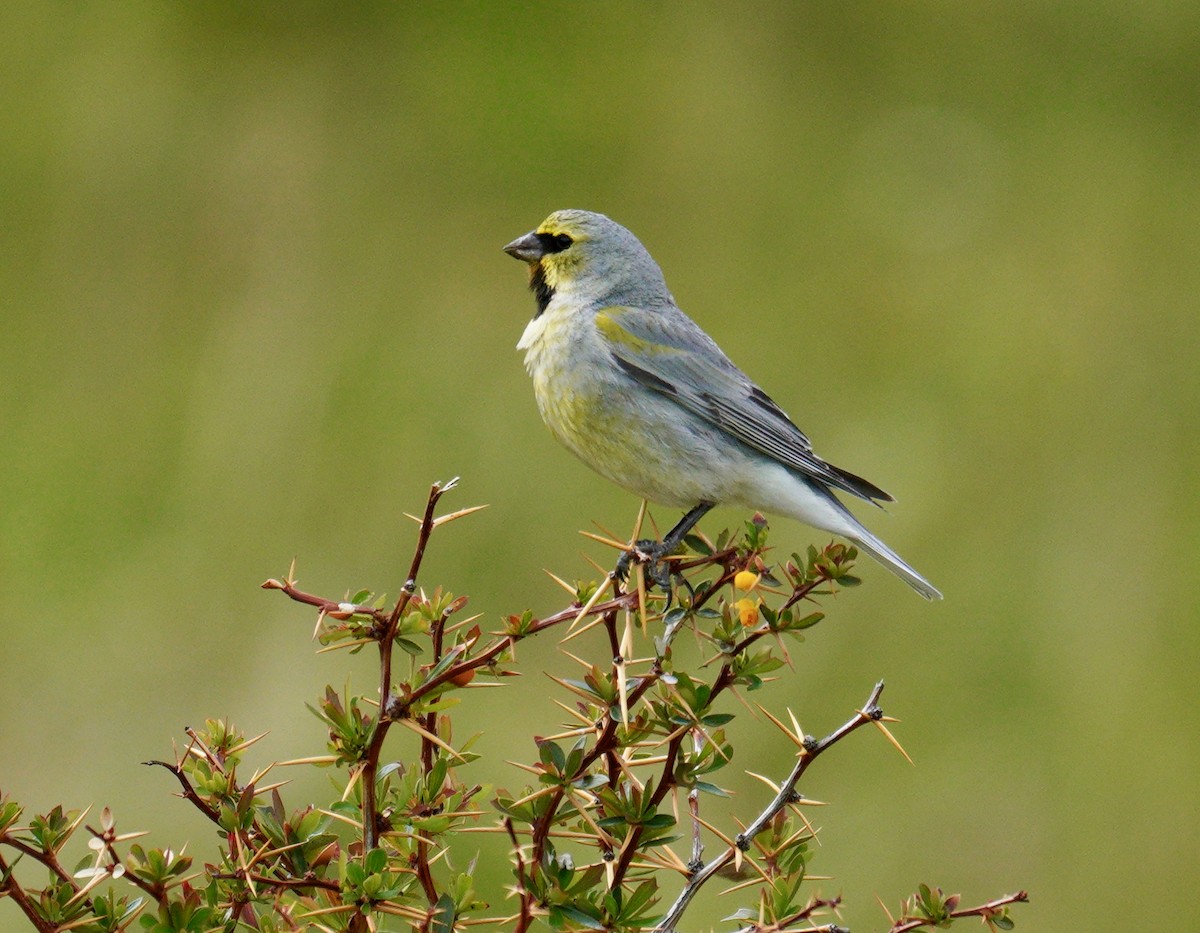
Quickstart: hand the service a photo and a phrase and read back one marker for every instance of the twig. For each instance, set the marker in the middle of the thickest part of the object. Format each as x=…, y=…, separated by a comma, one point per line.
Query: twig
x=489, y=654
x=808, y=911
x=525, y=917
x=869, y=713
x=46, y=858
x=158, y=892
x=697, y=860
x=189, y=792
x=308, y=881
x=10, y=888
x=370, y=766
x=986, y=911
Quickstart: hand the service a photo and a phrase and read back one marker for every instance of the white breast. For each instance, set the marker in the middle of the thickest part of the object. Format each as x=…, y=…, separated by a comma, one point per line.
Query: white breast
x=533, y=332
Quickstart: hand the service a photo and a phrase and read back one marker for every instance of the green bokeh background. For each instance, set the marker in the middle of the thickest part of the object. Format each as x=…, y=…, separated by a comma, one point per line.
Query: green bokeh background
x=252, y=301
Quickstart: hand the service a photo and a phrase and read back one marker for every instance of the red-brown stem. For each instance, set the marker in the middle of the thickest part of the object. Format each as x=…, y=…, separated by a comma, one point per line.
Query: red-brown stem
x=189, y=792
x=267, y=881
x=424, y=874
x=604, y=744
x=504, y=642
x=809, y=909
x=614, y=641
x=320, y=602
x=525, y=917
x=158, y=892
x=983, y=910
x=370, y=766
x=46, y=858
x=14, y=890
x=665, y=784
x=802, y=591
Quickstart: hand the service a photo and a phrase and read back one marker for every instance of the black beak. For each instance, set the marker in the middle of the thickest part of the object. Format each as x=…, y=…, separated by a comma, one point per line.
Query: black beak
x=528, y=248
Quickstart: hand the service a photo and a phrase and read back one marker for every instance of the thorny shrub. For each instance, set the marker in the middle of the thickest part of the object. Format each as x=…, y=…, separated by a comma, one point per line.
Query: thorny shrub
x=606, y=826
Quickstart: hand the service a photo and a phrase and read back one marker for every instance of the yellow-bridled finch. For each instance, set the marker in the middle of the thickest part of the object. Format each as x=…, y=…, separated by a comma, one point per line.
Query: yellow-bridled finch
x=633, y=387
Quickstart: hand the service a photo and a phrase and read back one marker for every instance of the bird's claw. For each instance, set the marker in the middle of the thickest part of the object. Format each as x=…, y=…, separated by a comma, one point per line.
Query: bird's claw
x=650, y=553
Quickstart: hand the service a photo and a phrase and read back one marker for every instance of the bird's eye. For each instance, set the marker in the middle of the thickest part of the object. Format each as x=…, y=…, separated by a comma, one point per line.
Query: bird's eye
x=552, y=243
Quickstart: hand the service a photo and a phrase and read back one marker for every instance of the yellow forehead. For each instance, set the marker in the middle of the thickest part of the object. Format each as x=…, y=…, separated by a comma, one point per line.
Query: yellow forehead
x=562, y=222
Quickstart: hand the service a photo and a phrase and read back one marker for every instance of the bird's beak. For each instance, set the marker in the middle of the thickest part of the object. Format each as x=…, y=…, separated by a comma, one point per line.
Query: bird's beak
x=528, y=248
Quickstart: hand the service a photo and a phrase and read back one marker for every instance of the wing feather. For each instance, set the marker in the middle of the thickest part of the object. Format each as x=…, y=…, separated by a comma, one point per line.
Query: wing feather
x=664, y=350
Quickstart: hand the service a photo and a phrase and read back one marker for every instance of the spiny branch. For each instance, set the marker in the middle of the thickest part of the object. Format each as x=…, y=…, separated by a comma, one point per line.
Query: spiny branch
x=10, y=888
x=986, y=911
x=869, y=713
x=387, y=646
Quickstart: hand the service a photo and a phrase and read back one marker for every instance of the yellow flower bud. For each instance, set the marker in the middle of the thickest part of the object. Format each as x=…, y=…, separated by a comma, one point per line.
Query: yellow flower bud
x=745, y=580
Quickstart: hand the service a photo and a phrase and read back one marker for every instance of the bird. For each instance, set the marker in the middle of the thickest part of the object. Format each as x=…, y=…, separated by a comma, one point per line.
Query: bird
x=632, y=386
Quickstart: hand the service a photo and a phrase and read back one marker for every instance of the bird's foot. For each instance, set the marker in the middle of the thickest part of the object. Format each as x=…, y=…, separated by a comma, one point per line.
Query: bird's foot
x=649, y=553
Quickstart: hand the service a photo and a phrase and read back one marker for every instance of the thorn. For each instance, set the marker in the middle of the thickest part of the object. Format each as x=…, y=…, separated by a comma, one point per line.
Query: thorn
x=891, y=738
x=580, y=661
x=420, y=730
x=766, y=780
x=579, y=631
x=587, y=607
x=888, y=913
x=560, y=581
x=618, y=545
x=607, y=531
x=795, y=724
x=454, y=516
x=641, y=517
x=594, y=564
x=798, y=741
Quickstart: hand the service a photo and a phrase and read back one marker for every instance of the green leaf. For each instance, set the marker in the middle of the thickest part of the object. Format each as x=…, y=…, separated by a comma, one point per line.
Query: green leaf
x=375, y=862
x=552, y=756
x=442, y=920
x=639, y=898
x=575, y=915
x=807, y=622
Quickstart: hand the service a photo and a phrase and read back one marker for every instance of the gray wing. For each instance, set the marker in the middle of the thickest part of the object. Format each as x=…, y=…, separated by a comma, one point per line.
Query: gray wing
x=664, y=350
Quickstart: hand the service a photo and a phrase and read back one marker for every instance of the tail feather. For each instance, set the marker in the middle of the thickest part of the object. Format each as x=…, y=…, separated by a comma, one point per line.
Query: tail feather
x=865, y=541
x=777, y=489
x=852, y=528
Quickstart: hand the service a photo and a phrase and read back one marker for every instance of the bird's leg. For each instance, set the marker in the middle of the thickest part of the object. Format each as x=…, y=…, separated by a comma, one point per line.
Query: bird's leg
x=652, y=552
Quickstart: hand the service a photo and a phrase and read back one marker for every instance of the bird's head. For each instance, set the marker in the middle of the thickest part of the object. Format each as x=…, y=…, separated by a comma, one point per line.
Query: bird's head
x=594, y=259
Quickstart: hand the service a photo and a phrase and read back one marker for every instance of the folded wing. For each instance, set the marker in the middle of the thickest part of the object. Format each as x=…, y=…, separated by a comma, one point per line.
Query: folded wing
x=664, y=350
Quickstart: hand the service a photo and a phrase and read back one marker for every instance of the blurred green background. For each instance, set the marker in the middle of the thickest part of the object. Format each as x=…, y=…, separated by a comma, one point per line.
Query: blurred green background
x=252, y=302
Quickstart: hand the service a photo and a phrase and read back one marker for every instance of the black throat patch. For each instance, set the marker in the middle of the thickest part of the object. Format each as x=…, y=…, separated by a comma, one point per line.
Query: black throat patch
x=542, y=292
